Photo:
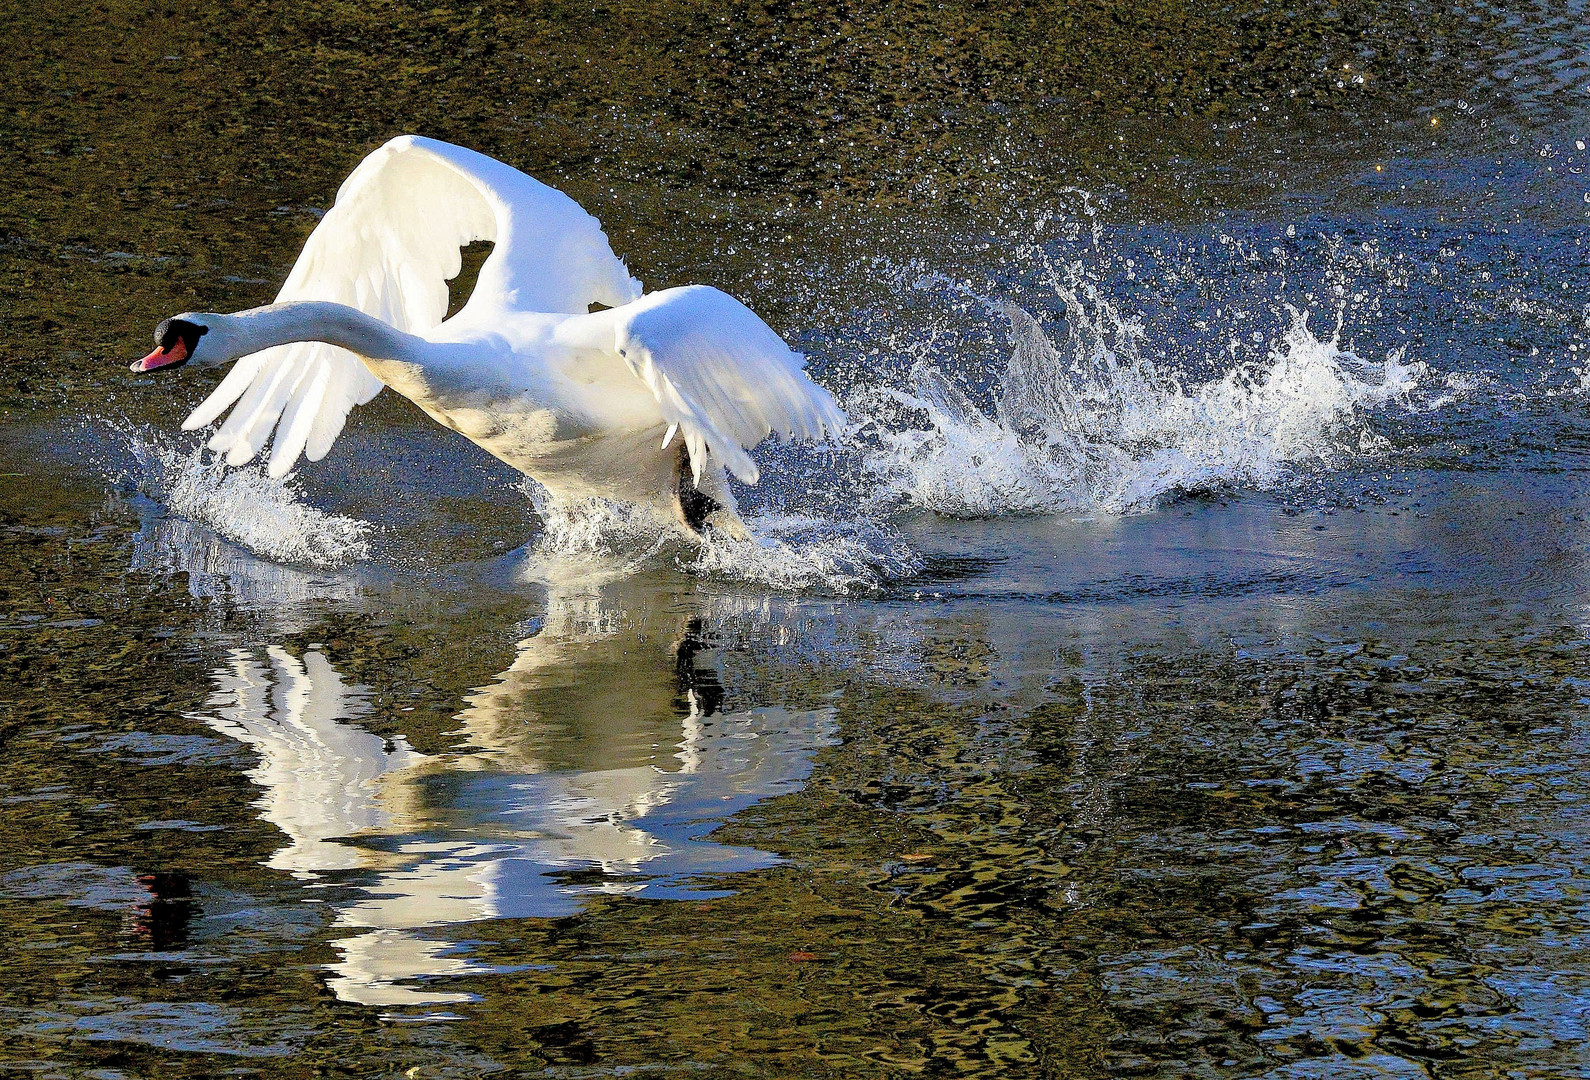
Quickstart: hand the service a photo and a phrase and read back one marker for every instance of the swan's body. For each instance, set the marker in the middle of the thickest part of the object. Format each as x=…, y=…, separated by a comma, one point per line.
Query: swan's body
x=587, y=403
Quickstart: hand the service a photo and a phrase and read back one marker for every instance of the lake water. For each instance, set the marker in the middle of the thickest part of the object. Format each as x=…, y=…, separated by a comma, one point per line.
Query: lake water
x=1182, y=668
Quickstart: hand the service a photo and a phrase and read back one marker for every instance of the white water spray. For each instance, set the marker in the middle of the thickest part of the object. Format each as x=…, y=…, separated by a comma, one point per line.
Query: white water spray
x=264, y=515
x=788, y=552
x=1091, y=424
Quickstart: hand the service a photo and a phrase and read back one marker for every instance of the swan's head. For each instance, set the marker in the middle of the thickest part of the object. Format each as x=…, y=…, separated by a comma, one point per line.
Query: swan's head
x=177, y=343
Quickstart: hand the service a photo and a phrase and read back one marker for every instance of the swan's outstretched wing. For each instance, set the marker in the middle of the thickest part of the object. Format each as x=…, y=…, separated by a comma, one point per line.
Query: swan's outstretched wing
x=724, y=379
x=388, y=248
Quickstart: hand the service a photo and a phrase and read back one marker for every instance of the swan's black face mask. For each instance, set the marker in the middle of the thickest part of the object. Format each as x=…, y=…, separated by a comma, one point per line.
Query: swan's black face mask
x=175, y=340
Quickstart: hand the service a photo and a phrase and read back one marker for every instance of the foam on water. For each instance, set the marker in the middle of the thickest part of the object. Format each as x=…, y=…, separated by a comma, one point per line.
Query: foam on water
x=1091, y=424
x=264, y=515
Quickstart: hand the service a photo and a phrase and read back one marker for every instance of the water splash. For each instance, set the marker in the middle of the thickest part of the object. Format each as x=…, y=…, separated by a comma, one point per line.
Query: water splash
x=215, y=568
x=790, y=552
x=799, y=552
x=1091, y=424
x=623, y=534
x=264, y=515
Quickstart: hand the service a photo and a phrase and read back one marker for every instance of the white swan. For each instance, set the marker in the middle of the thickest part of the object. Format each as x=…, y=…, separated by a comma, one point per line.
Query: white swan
x=587, y=403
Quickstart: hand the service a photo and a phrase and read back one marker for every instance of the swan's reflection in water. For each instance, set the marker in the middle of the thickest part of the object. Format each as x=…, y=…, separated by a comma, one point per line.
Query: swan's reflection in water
x=599, y=763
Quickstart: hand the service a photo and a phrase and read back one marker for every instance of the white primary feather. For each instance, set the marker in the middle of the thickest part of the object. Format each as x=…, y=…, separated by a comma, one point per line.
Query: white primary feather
x=388, y=248
x=723, y=378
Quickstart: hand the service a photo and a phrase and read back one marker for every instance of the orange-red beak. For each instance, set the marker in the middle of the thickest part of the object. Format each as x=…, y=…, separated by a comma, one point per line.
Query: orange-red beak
x=160, y=358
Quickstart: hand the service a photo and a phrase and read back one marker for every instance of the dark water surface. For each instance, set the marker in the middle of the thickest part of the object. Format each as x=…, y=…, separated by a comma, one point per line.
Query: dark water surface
x=1184, y=668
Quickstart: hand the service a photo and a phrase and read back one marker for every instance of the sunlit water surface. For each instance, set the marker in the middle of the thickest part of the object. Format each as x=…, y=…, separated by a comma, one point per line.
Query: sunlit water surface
x=1180, y=668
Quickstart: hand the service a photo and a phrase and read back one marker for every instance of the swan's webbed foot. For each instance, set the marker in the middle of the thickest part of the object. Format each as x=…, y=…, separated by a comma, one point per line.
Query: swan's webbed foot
x=728, y=523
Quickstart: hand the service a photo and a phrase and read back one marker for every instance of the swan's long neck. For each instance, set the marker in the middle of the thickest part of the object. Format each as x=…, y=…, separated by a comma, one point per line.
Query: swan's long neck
x=394, y=356
x=335, y=324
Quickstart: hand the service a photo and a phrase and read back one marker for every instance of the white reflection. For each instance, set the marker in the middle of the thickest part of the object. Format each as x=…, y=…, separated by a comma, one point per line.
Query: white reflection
x=598, y=763
x=322, y=778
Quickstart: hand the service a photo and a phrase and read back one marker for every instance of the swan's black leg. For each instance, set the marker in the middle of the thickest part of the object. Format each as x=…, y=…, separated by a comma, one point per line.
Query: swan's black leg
x=695, y=506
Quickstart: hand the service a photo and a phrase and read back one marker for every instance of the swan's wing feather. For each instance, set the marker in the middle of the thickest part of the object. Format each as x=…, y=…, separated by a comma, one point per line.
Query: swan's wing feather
x=298, y=418
x=721, y=375
x=388, y=248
